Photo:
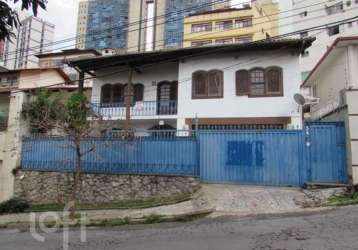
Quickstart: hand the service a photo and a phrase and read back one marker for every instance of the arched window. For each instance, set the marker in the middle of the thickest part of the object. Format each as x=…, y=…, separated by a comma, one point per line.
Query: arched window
x=200, y=84
x=257, y=79
x=260, y=82
x=207, y=84
x=274, y=81
x=117, y=93
x=112, y=94
x=138, y=92
x=242, y=82
x=106, y=94
x=215, y=83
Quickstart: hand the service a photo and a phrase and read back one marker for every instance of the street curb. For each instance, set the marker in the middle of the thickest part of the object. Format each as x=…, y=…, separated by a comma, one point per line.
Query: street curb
x=185, y=216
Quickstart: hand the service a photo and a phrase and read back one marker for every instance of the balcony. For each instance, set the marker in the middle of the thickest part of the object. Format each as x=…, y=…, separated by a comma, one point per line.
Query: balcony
x=146, y=109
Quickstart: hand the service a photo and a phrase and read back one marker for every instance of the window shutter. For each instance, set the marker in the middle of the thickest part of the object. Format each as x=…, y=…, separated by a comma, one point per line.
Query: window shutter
x=200, y=86
x=138, y=92
x=274, y=82
x=174, y=91
x=117, y=93
x=215, y=83
x=242, y=83
x=106, y=93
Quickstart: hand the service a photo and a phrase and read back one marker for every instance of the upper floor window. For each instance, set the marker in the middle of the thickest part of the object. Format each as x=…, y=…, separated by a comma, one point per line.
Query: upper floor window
x=334, y=30
x=223, y=41
x=201, y=27
x=207, y=84
x=260, y=82
x=303, y=14
x=243, y=39
x=223, y=25
x=336, y=8
x=115, y=94
x=243, y=23
x=201, y=43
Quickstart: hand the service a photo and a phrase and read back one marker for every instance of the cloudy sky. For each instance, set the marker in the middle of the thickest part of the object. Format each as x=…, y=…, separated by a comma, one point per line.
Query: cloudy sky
x=63, y=13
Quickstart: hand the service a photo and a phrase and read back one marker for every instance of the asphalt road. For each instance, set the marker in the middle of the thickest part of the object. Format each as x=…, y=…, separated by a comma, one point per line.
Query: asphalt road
x=336, y=229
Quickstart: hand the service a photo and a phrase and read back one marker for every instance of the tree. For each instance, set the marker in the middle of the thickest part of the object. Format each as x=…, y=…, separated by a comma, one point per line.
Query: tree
x=9, y=17
x=69, y=116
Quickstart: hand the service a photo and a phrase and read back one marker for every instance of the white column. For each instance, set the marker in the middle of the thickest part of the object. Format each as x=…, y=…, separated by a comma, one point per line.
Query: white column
x=12, y=148
x=352, y=55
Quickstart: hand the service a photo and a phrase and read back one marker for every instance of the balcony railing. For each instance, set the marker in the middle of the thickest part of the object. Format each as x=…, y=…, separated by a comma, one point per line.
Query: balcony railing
x=139, y=109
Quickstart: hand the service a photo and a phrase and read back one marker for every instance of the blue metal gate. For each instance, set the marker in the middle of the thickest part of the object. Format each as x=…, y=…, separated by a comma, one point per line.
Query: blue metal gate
x=274, y=157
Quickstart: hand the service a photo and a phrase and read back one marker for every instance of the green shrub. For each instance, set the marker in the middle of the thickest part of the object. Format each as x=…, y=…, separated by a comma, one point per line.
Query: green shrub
x=14, y=205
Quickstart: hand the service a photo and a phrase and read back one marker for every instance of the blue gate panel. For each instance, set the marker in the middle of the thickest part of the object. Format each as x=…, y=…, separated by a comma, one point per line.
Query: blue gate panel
x=250, y=157
x=326, y=152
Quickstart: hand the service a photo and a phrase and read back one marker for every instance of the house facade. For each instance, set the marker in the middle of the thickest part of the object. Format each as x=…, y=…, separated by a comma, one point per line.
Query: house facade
x=334, y=80
x=13, y=94
x=227, y=86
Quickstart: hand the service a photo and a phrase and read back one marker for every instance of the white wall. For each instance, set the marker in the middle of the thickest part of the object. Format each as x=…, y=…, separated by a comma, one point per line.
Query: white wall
x=240, y=106
x=317, y=15
x=163, y=72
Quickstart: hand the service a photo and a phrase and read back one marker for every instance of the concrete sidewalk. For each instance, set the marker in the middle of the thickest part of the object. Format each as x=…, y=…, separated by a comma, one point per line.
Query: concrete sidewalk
x=170, y=212
x=216, y=199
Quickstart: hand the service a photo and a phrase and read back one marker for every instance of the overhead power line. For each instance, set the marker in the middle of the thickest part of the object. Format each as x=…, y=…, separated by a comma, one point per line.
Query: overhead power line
x=162, y=40
x=315, y=28
x=155, y=25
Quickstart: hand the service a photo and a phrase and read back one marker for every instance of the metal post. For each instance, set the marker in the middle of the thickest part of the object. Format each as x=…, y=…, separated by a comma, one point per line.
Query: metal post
x=81, y=81
x=128, y=100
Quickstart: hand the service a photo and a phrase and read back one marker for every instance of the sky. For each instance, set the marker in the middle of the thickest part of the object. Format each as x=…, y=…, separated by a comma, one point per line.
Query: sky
x=63, y=13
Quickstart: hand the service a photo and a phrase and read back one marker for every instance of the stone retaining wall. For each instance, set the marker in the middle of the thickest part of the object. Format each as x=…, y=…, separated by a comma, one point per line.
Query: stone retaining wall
x=54, y=187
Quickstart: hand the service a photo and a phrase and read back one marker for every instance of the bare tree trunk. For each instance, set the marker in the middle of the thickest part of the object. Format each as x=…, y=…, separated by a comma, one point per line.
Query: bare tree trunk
x=76, y=177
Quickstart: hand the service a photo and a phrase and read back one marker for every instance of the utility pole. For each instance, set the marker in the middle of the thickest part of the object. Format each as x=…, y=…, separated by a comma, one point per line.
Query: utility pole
x=128, y=100
x=81, y=81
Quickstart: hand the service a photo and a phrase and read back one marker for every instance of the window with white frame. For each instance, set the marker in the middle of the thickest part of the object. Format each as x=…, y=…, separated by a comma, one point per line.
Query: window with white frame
x=223, y=41
x=223, y=25
x=201, y=43
x=333, y=9
x=201, y=27
x=243, y=23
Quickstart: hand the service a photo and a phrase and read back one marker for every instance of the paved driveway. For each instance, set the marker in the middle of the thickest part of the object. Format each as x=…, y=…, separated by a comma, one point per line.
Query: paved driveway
x=242, y=200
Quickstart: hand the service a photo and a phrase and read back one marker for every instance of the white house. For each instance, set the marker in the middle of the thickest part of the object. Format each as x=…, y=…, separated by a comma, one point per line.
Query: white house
x=334, y=80
x=312, y=13
x=228, y=86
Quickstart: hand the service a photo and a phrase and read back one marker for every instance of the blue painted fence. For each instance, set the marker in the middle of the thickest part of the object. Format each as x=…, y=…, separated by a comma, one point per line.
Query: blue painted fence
x=274, y=157
x=261, y=157
x=172, y=156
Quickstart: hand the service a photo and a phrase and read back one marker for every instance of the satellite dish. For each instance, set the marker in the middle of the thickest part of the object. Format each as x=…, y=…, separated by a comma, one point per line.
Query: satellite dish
x=299, y=99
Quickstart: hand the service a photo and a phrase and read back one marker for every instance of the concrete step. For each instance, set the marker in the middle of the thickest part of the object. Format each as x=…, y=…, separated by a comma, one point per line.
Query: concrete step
x=322, y=185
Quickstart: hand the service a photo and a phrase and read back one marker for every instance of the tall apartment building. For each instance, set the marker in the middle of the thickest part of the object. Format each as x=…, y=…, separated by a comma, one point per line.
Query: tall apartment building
x=309, y=14
x=232, y=25
x=136, y=25
x=102, y=24
x=82, y=24
x=34, y=36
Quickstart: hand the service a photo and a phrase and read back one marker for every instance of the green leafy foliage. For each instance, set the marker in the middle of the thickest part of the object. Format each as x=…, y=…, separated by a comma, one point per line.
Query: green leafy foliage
x=9, y=18
x=76, y=112
x=14, y=205
x=42, y=111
